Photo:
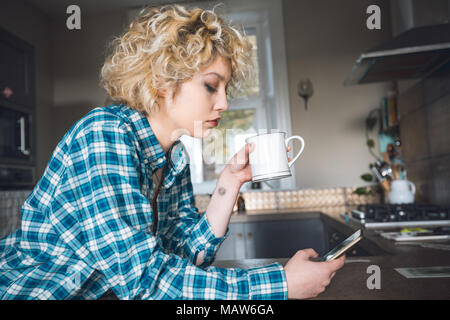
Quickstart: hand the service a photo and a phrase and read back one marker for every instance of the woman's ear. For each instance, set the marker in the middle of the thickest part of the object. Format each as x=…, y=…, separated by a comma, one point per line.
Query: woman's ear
x=162, y=93
x=165, y=95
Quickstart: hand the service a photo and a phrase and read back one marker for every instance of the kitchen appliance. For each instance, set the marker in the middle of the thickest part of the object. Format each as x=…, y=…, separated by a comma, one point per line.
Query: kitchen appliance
x=15, y=135
x=389, y=216
x=412, y=54
x=16, y=159
x=17, y=110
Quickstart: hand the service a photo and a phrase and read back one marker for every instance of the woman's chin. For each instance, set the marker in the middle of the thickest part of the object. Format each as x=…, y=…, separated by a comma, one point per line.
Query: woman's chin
x=202, y=134
x=206, y=132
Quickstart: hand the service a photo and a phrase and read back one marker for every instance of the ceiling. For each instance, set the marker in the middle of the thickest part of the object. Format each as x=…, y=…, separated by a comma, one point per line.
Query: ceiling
x=56, y=8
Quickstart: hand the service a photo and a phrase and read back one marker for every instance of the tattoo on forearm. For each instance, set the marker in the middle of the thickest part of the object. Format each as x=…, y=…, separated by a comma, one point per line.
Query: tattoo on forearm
x=222, y=191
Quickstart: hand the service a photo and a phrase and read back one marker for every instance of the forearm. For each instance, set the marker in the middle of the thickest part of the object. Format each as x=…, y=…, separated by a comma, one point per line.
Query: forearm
x=221, y=205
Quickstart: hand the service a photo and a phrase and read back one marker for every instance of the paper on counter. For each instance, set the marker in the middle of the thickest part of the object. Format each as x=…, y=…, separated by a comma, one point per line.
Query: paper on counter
x=425, y=272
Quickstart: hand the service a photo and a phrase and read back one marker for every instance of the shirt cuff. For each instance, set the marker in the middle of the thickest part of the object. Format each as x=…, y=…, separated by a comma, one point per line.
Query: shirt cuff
x=202, y=238
x=267, y=283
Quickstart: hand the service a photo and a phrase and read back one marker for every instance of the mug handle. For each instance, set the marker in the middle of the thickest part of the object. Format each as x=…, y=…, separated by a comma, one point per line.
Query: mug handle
x=290, y=163
x=413, y=187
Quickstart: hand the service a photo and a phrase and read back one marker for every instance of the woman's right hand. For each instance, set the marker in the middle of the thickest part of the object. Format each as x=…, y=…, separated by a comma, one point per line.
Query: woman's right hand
x=306, y=278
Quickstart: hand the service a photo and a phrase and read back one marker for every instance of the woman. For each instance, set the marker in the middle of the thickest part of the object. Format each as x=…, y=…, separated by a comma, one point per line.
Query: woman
x=92, y=225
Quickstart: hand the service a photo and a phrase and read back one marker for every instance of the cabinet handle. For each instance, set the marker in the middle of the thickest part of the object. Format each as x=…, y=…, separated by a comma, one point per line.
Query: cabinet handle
x=249, y=235
x=239, y=235
x=22, y=147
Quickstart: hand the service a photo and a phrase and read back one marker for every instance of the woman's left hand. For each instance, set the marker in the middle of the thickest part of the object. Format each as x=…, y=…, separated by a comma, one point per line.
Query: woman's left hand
x=238, y=168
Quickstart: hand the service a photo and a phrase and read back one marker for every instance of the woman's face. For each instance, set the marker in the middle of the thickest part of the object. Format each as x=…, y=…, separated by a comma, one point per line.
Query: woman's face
x=195, y=107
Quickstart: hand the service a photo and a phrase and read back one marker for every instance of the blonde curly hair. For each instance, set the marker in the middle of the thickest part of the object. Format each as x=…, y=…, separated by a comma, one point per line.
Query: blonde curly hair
x=166, y=46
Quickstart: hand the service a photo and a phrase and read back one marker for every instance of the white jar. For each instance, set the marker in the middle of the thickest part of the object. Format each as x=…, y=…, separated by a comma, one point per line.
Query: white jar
x=402, y=191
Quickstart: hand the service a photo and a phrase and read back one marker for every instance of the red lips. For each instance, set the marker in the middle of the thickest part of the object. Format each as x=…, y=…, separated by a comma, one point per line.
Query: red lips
x=214, y=122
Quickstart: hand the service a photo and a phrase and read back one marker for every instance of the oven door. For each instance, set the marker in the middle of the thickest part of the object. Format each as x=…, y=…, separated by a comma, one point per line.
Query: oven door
x=14, y=136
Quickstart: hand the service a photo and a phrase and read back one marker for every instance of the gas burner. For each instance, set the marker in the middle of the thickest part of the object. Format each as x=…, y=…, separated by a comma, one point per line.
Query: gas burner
x=399, y=215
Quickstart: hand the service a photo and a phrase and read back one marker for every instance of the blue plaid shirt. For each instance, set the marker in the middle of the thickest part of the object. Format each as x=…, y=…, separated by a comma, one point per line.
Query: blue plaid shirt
x=87, y=225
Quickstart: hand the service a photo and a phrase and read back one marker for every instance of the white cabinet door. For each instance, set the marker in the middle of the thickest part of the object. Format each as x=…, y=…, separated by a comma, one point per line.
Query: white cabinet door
x=233, y=247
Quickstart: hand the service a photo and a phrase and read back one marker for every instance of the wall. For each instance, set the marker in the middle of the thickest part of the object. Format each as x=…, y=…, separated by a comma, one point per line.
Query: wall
x=79, y=56
x=323, y=41
x=424, y=110
x=28, y=23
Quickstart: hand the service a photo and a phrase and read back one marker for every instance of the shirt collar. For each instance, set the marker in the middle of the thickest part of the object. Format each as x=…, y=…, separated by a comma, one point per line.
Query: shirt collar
x=151, y=149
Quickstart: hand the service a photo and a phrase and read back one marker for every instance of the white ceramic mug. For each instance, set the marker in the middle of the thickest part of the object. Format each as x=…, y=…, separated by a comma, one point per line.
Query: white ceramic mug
x=402, y=191
x=269, y=160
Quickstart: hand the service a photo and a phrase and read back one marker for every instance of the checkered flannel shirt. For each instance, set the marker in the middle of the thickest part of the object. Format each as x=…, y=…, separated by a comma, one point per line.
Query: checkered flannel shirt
x=87, y=225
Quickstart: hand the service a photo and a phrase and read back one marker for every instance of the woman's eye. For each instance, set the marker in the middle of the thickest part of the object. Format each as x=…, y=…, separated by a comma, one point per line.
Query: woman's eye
x=210, y=89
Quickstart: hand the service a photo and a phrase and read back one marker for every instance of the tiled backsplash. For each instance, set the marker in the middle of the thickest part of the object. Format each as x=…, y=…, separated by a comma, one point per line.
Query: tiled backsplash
x=425, y=133
x=10, y=205
x=329, y=200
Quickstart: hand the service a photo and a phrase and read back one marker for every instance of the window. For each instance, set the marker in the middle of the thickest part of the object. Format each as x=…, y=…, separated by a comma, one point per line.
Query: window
x=263, y=103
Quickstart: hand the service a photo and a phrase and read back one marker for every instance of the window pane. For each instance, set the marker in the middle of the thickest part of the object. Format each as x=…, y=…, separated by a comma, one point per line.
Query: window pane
x=251, y=86
x=226, y=139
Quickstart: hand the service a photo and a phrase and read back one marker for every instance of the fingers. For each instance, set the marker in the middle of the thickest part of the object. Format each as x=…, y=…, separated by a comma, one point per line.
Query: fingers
x=341, y=259
x=338, y=263
x=309, y=253
x=326, y=283
x=241, y=157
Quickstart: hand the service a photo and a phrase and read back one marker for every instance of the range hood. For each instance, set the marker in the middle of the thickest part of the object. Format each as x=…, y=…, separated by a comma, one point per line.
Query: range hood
x=415, y=53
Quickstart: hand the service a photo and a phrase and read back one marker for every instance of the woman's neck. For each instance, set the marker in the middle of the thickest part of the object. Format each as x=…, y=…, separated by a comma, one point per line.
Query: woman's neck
x=162, y=130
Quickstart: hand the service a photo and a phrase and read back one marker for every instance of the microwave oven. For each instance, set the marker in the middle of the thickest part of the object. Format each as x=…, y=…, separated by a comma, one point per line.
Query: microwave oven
x=16, y=148
x=17, y=112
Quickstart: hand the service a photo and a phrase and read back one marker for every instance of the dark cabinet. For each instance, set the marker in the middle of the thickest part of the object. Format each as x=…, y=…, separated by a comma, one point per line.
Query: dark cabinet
x=16, y=71
x=281, y=239
x=17, y=113
x=272, y=239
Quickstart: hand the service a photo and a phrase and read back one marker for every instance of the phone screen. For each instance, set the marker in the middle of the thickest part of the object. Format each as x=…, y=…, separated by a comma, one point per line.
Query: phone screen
x=342, y=247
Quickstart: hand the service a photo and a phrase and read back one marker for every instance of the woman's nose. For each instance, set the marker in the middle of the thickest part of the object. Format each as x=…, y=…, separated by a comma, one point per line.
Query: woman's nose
x=222, y=103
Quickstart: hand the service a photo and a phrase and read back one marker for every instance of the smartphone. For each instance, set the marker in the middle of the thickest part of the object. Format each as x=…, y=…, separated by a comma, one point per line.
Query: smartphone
x=342, y=247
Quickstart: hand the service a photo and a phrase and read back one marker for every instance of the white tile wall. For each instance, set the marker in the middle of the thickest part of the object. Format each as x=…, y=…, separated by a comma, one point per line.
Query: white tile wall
x=10, y=205
x=329, y=200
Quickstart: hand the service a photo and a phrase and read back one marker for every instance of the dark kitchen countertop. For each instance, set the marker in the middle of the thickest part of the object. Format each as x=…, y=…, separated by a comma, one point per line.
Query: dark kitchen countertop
x=267, y=215
x=350, y=281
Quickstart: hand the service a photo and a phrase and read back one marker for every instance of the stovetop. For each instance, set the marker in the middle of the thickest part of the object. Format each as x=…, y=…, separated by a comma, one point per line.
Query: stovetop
x=401, y=215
